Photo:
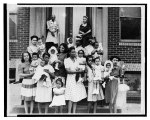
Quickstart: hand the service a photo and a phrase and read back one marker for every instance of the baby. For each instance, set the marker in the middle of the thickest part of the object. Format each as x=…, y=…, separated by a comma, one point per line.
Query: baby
x=98, y=50
x=70, y=42
x=41, y=46
x=40, y=74
x=53, y=56
x=35, y=62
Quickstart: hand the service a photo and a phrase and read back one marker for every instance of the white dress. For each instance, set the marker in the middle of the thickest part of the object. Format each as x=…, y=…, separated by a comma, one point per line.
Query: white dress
x=98, y=74
x=44, y=93
x=74, y=91
x=60, y=99
x=81, y=61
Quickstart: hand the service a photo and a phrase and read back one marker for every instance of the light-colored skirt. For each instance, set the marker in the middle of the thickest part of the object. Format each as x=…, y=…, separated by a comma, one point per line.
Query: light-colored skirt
x=28, y=89
x=43, y=93
x=58, y=101
x=111, y=91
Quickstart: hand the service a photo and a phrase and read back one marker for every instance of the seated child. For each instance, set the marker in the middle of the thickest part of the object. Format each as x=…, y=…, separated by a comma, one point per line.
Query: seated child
x=41, y=47
x=82, y=62
x=70, y=42
x=40, y=74
x=35, y=62
x=53, y=57
x=98, y=73
x=59, y=96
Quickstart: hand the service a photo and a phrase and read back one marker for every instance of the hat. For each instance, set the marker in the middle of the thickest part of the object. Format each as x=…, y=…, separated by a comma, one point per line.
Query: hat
x=108, y=62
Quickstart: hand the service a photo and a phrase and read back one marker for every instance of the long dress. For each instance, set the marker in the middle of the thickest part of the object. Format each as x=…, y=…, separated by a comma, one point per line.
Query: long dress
x=74, y=91
x=58, y=100
x=85, y=38
x=111, y=89
x=93, y=97
x=28, y=87
x=44, y=93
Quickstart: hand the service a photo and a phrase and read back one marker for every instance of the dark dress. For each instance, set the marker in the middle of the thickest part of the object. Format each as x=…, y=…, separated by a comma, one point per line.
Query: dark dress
x=111, y=89
x=85, y=37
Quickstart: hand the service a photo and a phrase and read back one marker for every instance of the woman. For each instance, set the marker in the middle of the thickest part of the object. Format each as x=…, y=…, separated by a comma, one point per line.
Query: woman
x=85, y=31
x=62, y=54
x=92, y=98
x=44, y=93
x=28, y=85
x=74, y=91
x=52, y=36
x=111, y=89
x=33, y=47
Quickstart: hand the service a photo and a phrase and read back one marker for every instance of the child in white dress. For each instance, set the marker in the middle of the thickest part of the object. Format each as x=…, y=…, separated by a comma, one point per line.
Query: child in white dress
x=82, y=62
x=35, y=62
x=41, y=47
x=59, y=96
x=40, y=74
x=98, y=50
x=98, y=73
x=70, y=42
x=53, y=56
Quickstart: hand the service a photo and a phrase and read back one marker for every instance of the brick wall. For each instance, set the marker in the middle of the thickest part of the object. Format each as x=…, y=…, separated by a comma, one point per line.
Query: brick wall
x=128, y=54
x=17, y=47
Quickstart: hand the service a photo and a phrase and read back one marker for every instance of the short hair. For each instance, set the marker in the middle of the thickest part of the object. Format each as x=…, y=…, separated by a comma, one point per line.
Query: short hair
x=34, y=36
x=60, y=80
x=89, y=56
x=85, y=17
x=65, y=46
x=22, y=57
x=97, y=58
x=112, y=57
x=35, y=54
x=82, y=52
x=71, y=48
x=45, y=54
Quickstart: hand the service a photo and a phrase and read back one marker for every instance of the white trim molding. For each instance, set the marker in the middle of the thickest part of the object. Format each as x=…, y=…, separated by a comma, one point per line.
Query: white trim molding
x=129, y=44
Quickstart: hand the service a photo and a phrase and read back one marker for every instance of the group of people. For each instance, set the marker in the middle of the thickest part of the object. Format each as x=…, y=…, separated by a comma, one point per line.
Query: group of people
x=55, y=74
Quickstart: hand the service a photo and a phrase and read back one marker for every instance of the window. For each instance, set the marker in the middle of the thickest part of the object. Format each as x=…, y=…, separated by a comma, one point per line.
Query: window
x=13, y=23
x=130, y=24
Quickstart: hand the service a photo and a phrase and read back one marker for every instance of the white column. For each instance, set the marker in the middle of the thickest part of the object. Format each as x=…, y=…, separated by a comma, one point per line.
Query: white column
x=94, y=21
x=105, y=32
x=60, y=13
x=78, y=13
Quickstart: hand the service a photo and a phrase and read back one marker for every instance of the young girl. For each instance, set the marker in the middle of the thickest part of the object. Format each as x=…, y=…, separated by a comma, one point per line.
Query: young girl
x=70, y=42
x=59, y=96
x=53, y=56
x=41, y=47
x=82, y=62
x=40, y=74
x=98, y=73
x=35, y=62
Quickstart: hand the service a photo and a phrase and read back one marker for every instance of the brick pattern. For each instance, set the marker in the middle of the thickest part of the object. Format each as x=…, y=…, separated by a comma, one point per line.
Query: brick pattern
x=128, y=54
x=18, y=46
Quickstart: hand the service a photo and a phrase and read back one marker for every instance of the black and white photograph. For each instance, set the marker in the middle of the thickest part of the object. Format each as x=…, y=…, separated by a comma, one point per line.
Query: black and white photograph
x=76, y=59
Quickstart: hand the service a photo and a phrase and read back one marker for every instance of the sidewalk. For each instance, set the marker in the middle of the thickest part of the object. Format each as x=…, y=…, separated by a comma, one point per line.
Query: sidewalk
x=16, y=101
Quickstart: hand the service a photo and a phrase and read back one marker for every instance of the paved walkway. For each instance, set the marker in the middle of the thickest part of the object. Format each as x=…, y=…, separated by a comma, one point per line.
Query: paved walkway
x=14, y=99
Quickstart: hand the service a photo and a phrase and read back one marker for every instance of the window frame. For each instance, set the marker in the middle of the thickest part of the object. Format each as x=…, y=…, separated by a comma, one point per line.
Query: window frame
x=126, y=40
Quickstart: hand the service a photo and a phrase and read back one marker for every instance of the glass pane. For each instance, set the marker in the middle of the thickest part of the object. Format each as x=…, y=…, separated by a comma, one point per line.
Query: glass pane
x=13, y=26
x=130, y=28
x=130, y=12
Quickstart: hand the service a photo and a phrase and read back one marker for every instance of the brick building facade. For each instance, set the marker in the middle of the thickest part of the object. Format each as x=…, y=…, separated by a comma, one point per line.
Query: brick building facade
x=129, y=52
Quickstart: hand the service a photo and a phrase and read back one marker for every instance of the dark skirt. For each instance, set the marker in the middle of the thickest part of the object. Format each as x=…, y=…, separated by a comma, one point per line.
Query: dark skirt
x=111, y=91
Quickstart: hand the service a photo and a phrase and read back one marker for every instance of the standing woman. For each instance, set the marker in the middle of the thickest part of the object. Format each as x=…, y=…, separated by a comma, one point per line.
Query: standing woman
x=92, y=98
x=111, y=89
x=33, y=47
x=28, y=85
x=52, y=36
x=44, y=93
x=74, y=91
x=62, y=54
x=85, y=31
